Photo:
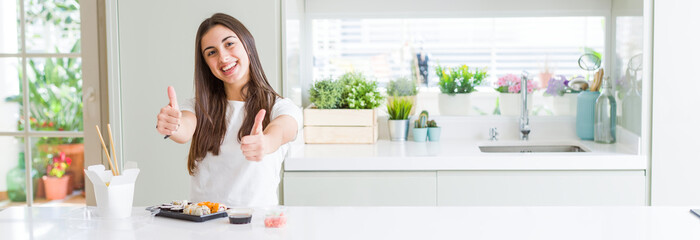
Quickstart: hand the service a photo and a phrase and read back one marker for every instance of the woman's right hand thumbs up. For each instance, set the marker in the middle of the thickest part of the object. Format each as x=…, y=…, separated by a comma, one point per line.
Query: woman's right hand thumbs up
x=169, y=116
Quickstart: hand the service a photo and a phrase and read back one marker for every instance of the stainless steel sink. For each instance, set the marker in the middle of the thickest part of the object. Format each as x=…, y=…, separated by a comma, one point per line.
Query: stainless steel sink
x=532, y=149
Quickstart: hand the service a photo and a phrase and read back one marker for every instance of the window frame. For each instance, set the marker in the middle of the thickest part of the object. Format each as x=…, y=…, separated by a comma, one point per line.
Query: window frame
x=90, y=77
x=306, y=36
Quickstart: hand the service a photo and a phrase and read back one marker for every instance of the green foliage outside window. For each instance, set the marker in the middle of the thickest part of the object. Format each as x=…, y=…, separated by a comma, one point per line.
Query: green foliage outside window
x=55, y=88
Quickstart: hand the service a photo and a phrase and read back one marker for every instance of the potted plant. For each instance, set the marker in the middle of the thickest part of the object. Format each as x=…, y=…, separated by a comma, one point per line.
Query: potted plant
x=402, y=88
x=399, y=110
x=510, y=100
x=325, y=94
x=433, y=131
x=55, y=181
x=455, y=85
x=420, y=127
x=342, y=110
x=55, y=104
x=563, y=97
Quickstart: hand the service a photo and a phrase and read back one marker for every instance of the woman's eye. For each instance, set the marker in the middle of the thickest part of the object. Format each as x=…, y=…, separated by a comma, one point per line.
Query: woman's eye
x=211, y=53
x=228, y=44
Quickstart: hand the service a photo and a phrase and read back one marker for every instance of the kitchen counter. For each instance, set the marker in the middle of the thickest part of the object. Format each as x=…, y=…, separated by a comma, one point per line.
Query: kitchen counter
x=369, y=223
x=457, y=155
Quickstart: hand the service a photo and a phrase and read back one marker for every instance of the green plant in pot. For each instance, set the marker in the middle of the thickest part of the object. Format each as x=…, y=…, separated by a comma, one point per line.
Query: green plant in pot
x=433, y=131
x=455, y=86
x=399, y=110
x=344, y=110
x=56, y=183
x=326, y=94
x=420, y=127
x=351, y=91
x=358, y=92
x=402, y=88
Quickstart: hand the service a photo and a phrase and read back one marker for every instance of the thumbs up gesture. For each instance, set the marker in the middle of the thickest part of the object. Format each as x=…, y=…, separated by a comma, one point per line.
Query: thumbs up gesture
x=169, y=116
x=253, y=146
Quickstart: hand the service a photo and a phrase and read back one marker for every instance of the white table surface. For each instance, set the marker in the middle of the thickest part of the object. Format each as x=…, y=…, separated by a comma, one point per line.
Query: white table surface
x=542, y=223
x=457, y=155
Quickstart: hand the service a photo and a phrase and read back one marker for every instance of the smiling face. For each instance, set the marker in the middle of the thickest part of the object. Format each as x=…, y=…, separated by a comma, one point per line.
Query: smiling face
x=225, y=55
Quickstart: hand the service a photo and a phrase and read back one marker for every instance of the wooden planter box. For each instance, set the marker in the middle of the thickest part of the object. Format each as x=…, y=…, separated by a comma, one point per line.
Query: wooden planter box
x=340, y=125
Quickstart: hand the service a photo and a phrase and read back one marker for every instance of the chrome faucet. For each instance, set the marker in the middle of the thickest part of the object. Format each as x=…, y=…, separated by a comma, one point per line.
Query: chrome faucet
x=524, y=119
x=493, y=134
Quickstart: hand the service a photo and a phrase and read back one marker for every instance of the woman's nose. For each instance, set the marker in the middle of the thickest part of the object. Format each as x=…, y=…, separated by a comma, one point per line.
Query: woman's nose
x=225, y=56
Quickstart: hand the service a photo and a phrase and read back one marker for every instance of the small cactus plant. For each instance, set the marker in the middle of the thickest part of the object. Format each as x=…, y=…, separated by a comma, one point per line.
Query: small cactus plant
x=432, y=124
x=422, y=121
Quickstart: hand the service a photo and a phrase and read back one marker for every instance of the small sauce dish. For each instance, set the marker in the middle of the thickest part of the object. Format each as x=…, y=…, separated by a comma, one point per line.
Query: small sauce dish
x=240, y=215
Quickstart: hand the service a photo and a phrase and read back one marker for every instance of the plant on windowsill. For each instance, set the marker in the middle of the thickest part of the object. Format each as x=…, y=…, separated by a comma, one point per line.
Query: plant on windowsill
x=563, y=97
x=342, y=110
x=433, y=131
x=399, y=110
x=55, y=181
x=509, y=99
x=455, y=86
x=420, y=127
x=402, y=88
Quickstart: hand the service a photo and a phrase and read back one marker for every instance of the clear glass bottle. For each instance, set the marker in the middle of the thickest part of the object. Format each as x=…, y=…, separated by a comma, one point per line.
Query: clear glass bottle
x=631, y=104
x=605, y=115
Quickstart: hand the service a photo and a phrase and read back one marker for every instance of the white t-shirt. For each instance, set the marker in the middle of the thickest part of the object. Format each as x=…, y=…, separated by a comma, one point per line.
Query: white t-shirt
x=231, y=179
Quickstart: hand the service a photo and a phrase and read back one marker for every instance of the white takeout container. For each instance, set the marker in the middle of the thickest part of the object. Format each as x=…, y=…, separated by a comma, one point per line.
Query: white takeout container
x=115, y=200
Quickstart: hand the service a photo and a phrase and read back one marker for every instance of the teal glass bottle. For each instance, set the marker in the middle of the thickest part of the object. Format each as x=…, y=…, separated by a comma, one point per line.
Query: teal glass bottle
x=585, y=110
x=605, y=115
x=16, y=182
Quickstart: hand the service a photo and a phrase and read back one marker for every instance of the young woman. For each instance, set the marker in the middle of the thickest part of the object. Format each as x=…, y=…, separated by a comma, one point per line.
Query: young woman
x=239, y=126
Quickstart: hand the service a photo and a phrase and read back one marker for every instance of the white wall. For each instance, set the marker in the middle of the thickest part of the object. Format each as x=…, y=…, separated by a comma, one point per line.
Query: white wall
x=675, y=174
x=156, y=49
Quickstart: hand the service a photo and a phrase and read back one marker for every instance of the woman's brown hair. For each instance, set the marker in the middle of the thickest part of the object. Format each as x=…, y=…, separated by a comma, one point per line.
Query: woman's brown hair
x=210, y=97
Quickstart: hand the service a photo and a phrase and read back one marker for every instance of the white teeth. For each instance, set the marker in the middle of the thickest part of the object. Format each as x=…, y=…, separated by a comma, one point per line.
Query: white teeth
x=229, y=66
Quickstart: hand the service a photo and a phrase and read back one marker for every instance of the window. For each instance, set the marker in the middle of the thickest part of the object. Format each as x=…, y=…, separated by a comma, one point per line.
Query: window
x=41, y=102
x=385, y=49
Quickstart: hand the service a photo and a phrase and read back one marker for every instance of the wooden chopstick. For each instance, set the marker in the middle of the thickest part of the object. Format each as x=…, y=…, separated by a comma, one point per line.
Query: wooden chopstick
x=114, y=155
x=106, y=151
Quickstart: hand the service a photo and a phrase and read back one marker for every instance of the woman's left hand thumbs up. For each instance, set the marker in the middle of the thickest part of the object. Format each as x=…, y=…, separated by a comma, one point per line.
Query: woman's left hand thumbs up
x=253, y=145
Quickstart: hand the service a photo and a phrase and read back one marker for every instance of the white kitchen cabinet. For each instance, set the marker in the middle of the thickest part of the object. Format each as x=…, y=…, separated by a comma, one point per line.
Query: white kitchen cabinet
x=466, y=188
x=360, y=188
x=540, y=188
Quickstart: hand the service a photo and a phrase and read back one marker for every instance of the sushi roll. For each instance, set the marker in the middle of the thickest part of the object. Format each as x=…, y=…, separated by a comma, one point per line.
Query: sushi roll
x=205, y=210
x=201, y=210
x=222, y=208
x=197, y=211
x=189, y=209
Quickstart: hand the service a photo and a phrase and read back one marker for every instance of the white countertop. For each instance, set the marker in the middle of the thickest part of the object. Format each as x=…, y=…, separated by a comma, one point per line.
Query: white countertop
x=422, y=223
x=456, y=155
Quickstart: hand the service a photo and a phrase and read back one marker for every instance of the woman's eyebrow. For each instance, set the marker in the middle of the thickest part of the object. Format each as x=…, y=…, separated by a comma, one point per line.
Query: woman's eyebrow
x=223, y=40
